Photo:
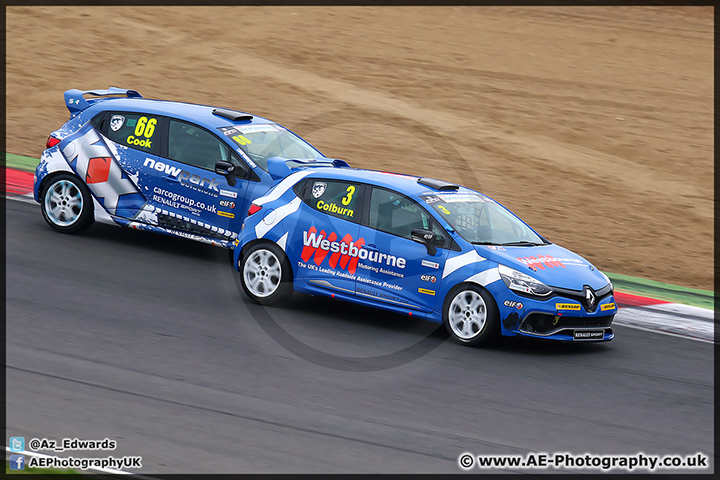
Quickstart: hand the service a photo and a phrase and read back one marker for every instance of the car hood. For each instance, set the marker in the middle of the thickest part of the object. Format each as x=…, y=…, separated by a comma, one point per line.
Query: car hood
x=552, y=264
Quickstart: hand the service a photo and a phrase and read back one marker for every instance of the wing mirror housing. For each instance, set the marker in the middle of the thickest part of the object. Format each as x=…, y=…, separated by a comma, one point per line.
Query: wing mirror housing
x=228, y=170
x=426, y=237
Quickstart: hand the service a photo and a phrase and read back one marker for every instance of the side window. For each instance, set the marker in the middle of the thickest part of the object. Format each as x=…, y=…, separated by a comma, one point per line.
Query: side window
x=135, y=130
x=196, y=146
x=339, y=199
x=393, y=213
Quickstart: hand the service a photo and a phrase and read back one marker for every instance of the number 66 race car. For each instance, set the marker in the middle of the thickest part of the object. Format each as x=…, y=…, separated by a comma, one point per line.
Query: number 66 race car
x=175, y=168
x=419, y=247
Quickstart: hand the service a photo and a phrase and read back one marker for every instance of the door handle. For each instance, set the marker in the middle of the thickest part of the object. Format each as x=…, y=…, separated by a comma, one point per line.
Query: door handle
x=372, y=246
x=169, y=178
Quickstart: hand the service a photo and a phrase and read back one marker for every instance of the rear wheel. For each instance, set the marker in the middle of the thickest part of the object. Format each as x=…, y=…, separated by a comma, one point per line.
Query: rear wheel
x=471, y=316
x=265, y=274
x=66, y=204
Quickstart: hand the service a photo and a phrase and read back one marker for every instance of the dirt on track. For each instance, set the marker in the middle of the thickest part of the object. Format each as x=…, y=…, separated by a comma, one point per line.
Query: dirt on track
x=594, y=124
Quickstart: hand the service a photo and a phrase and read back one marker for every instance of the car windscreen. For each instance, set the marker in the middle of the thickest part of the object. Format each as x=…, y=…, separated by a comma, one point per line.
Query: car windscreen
x=480, y=220
x=260, y=142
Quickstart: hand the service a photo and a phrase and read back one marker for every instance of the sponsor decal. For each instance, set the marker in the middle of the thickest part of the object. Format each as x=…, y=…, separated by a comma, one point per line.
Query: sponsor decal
x=177, y=201
x=228, y=193
x=376, y=269
x=496, y=247
x=429, y=264
x=116, y=122
x=344, y=253
x=567, y=306
x=541, y=261
x=226, y=214
x=460, y=197
x=607, y=306
x=318, y=189
x=258, y=128
x=373, y=293
x=512, y=304
x=426, y=291
x=332, y=208
x=227, y=203
x=428, y=278
x=588, y=334
x=187, y=179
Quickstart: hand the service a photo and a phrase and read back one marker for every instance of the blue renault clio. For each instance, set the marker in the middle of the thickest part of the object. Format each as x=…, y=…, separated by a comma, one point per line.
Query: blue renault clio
x=168, y=167
x=420, y=247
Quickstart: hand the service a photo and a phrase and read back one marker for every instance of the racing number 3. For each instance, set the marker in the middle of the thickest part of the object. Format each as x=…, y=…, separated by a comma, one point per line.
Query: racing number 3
x=348, y=198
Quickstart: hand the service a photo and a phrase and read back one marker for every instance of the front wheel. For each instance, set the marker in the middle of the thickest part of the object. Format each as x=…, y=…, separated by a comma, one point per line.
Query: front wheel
x=471, y=316
x=265, y=274
x=66, y=204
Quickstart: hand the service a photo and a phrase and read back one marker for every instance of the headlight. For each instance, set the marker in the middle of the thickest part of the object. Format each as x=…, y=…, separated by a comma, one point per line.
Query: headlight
x=520, y=282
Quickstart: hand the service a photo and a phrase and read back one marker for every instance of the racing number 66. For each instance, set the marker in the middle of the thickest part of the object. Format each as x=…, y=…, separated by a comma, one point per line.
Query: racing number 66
x=348, y=198
x=145, y=127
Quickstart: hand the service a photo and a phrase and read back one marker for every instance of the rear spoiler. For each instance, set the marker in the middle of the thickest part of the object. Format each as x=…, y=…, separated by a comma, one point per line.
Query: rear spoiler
x=76, y=101
x=279, y=167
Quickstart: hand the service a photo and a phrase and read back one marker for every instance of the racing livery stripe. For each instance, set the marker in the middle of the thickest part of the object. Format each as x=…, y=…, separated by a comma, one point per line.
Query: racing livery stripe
x=273, y=217
x=485, y=277
x=283, y=240
x=458, y=261
x=282, y=187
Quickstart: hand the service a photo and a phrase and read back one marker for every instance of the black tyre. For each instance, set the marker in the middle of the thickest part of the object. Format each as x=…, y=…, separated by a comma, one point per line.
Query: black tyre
x=471, y=315
x=66, y=204
x=265, y=274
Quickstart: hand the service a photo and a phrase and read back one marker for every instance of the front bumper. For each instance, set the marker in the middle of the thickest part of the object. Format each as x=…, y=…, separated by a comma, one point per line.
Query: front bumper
x=559, y=317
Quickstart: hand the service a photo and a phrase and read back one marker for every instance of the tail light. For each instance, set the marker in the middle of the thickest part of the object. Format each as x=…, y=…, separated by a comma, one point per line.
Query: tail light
x=51, y=142
x=254, y=209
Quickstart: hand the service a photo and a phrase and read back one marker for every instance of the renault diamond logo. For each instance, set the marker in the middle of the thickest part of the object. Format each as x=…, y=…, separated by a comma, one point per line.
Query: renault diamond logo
x=590, y=298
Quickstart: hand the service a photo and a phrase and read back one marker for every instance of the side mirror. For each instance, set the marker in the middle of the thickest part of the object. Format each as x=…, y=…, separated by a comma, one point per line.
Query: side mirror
x=227, y=170
x=426, y=237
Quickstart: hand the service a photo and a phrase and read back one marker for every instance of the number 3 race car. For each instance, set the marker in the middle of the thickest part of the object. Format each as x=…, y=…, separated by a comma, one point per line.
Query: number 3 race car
x=167, y=167
x=419, y=247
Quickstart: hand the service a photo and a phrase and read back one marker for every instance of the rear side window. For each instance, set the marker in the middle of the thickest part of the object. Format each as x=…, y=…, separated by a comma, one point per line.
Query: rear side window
x=339, y=199
x=135, y=130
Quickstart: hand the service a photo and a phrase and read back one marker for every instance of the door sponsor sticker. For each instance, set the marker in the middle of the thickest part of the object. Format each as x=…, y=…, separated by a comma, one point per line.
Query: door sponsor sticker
x=426, y=291
x=429, y=264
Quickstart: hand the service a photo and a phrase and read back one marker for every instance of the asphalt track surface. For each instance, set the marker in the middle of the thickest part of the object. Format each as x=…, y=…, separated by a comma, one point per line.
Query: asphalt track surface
x=145, y=339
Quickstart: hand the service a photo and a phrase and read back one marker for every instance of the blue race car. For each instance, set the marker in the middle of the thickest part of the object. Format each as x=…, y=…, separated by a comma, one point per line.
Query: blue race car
x=174, y=168
x=420, y=247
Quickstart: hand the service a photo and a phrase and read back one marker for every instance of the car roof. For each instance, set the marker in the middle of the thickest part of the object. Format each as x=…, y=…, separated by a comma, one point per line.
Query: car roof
x=407, y=184
x=191, y=112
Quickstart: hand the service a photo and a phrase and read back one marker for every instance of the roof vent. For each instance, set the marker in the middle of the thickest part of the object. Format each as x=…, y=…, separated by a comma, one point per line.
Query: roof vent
x=232, y=114
x=437, y=184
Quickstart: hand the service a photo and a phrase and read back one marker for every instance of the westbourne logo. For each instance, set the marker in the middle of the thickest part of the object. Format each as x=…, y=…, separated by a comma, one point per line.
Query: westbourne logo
x=345, y=253
x=541, y=261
